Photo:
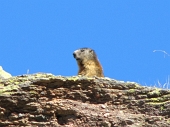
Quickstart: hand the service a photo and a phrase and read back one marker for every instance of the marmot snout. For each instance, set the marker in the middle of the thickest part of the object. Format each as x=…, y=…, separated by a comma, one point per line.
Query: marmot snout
x=88, y=62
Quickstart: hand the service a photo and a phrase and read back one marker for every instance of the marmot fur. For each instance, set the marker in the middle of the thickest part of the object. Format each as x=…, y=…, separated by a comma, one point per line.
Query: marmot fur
x=88, y=63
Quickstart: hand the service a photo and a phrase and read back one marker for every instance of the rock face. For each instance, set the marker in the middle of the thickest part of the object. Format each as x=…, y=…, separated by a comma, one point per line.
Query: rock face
x=4, y=74
x=46, y=100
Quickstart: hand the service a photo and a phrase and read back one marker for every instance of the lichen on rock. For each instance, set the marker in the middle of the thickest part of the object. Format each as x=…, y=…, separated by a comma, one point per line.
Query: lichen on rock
x=47, y=100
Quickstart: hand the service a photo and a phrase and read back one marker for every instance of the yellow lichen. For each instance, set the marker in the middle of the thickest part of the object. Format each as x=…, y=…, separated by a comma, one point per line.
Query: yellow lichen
x=33, y=92
x=73, y=78
x=155, y=92
x=157, y=103
x=8, y=88
x=131, y=91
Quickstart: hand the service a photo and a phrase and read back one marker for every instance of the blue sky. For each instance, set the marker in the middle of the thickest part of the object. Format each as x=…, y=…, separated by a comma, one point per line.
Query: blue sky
x=42, y=35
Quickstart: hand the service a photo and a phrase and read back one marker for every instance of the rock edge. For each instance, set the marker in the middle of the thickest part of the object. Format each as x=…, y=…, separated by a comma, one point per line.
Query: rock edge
x=47, y=100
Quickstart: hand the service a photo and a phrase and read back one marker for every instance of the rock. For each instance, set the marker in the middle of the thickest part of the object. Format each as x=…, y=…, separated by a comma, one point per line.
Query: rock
x=56, y=101
x=4, y=74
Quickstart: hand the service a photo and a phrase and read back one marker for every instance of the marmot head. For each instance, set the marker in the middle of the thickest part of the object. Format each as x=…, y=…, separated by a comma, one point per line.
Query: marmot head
x=84, y=54
x=88, y=63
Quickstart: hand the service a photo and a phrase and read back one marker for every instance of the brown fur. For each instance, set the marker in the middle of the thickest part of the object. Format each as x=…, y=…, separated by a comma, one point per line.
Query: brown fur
x=88, y=63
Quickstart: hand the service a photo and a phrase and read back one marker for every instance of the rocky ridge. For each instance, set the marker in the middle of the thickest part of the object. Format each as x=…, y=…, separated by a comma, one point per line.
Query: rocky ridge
x=46, y=100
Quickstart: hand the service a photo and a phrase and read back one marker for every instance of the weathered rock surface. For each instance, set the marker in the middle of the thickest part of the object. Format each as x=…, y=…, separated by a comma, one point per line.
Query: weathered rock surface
x=4, y=74
x=46, y=100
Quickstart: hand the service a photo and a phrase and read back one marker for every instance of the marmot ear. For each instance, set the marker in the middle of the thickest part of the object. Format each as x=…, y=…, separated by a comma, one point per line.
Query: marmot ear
x=91, y=50
x=82, y=50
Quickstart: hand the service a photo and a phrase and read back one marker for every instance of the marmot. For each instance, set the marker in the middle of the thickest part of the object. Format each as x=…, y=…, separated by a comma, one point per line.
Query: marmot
x=88, y=63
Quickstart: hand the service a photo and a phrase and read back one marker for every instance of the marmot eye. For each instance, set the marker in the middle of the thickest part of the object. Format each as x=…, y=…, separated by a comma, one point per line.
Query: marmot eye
x=82, y=50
